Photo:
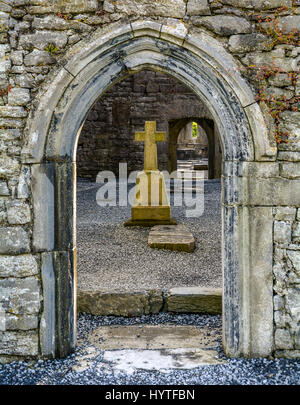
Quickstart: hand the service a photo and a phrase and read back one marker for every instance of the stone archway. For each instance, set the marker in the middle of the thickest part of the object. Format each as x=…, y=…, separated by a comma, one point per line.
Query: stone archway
x=214, y=158
x=201, y=64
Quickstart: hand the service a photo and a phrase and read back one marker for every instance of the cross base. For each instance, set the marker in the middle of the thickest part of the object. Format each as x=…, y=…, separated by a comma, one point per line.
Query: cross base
x=150, y=222
x=150, y=216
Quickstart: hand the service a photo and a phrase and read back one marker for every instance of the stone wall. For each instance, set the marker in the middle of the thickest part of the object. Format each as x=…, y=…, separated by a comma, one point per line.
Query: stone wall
x=34, y=39
x=107, y=136
x=287, y=281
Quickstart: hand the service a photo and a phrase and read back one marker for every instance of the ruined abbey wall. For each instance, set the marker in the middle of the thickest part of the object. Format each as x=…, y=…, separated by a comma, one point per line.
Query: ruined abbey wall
x=36, y=35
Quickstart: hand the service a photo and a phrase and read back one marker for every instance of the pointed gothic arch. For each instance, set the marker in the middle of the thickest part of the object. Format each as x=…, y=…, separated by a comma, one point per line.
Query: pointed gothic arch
x=83, y=75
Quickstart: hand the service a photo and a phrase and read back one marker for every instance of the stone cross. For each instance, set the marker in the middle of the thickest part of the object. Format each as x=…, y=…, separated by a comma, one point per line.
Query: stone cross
x=150, y=137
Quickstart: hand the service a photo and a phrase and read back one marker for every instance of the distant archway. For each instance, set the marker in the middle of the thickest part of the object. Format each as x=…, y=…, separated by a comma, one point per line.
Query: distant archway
x=214, y=159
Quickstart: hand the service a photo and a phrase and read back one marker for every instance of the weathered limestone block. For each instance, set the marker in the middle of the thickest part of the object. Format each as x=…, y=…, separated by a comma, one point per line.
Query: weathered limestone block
x=278, y=303
x=269, y=192
x=5, y=64
x=47, y=324
x=63, y=6
x=42, y=39
x=19, y=96
x=20, y=295
x=248, y=42
x=43, y=195
x=18, y=266
x=280, y=80
x=282, y=232
x=290, y=170
x=3, y=214
x=285, y=213
x=16, y=58
x=275, y=58
x=163, y=8
x=279, y=92
x=198, y=7
x=23, y=322
x=283, y=339
x=289, y=156
x=296, y=232
x=5, y=6
x=288, y=354
x=297, y=88
x=289, y=122
x=26, y=81
x=53, y=22
x=120, y=303
x=13, y=112
x=293, y=302
x=19, y=343
x=258, y=4
x=39, y=58
x=12, y=123
x=18, y=212
x=260, y=285
x=24, y=182
x=280, y=278
x=14, y=240
x=224, y=24
x=297, y=338
x=3, y=188
x=195, y=300
x=176, y=29
x=108, y=6
x=281, y=319
x=293, y=278
x=261, y=169
x=289, y=23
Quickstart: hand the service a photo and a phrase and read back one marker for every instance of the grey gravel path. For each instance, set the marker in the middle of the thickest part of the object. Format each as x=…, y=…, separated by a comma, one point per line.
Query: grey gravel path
x=92, y=371
x=111, y=256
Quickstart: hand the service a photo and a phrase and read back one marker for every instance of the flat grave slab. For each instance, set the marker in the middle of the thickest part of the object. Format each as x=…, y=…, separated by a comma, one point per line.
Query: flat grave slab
x=171, y=237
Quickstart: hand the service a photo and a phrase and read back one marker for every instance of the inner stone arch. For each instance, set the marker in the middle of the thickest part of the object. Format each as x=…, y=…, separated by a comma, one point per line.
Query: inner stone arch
x=55, y=232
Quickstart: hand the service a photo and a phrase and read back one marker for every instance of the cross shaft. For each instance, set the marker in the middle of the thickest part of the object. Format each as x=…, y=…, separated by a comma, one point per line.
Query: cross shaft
x=150, y=136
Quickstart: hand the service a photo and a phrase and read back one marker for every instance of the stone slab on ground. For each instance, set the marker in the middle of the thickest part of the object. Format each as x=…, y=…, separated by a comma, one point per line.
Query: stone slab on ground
x=150, y=347
x=153, y=347
x=194, y=300
x=120, y=303
x=167, y=336
x=199, y=166
x=133, y=303
x=171, y=237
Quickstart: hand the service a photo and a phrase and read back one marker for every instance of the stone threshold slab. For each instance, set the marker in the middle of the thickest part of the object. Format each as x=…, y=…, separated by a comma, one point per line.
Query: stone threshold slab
x=137, y=303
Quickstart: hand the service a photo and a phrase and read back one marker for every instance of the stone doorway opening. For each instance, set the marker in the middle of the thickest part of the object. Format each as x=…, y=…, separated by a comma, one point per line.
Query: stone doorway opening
x=202, y=64
x=194, y=144
x=118, y=273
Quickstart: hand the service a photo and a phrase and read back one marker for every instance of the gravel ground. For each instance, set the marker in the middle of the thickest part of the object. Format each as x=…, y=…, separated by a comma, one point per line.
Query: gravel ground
x=232, y=372
x=111, y=256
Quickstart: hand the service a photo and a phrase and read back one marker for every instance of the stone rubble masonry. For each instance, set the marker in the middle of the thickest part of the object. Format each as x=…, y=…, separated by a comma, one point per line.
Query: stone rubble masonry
x=29, y=65
x=286, y=271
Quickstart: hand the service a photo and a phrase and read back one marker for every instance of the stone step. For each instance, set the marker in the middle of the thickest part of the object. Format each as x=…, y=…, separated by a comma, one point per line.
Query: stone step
x=137, y=303
x=199, y=166
x=194, y=300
